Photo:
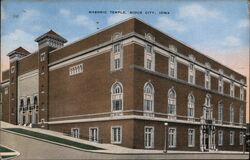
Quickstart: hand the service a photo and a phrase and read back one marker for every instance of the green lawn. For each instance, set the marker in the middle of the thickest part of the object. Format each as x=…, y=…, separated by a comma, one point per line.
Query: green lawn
x=3, y=149
x=8, y=156
x=53, y=138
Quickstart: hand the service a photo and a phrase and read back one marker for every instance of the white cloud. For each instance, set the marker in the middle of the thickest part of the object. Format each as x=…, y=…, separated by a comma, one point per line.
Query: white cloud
x=231, y=41
x=198, y=12
x=244, y=23
x=65, y=12
x=165, y=23
x=117, y=18
x=15, y=39
x=85, y=21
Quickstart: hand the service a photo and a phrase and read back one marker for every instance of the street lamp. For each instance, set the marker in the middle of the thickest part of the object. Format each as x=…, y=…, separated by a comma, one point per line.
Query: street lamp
x=165, y=141
x=244, y=136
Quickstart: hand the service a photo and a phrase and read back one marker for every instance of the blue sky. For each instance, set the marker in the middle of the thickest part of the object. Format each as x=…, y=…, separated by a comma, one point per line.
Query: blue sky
x=219, y=28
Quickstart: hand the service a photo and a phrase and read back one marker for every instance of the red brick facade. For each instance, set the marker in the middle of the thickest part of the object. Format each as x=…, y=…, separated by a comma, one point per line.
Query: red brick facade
x=76, y=91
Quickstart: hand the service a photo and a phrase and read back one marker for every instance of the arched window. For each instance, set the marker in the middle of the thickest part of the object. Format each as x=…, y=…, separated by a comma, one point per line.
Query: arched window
x=191, y=105
x=231, y=113
x=148, y=97
x=241, y=114
x=207, y=108
x=35, y=100
x=21, y=103
x=117, y=97
x=171, y=102
x=35, y=103
x=28, y=103
x=220, y=111
x=207, y=101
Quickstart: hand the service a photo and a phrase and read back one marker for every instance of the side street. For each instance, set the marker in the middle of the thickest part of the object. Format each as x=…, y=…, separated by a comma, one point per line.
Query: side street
x=37, y=148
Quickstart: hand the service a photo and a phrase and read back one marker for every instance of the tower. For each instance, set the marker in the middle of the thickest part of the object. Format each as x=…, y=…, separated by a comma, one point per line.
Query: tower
x=46, y=43
x=14, y=56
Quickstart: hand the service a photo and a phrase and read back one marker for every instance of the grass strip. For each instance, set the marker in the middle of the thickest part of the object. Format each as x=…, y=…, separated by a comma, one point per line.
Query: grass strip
x=3, y=149
x=8, y=156
x=53, y=138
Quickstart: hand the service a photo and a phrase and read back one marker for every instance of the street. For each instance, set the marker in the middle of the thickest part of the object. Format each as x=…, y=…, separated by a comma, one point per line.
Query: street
x=35, y=149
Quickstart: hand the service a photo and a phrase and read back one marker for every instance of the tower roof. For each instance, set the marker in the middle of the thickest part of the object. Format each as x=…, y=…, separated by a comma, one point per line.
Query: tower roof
x=19, y=50
x=51, y=34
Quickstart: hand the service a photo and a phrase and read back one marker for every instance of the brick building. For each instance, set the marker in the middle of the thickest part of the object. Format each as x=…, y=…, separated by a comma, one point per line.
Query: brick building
x=130, y=85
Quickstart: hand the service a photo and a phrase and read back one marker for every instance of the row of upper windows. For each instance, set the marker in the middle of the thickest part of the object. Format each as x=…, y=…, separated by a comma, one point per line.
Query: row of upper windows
x=148, y=104
x=29, y=101
x=149, y=63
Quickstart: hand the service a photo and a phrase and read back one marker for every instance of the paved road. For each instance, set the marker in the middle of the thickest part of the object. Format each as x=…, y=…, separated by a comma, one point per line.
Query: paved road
x=35, y=149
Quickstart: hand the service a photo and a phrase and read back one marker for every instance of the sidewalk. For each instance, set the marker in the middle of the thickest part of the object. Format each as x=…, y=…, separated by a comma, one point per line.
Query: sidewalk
x=109, y=148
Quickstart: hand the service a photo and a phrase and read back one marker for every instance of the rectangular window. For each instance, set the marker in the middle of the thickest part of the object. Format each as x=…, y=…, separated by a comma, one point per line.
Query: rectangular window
x=75, y=132
x=231, y=138
x=116, y=135
x=220, y=87
x=149, y=57
x=241, y=138
x=191, y=79
x=149, y=64
x=241, y=93
x=149, y=49
x=77, y=69
x=191, y=137
x=116, y=57
x=172, y=66
x=117, y=63
x=220, y=138
x=231, y=114
x=241, y=114
x=149, y=137
x=207, y=80
x=42, y=57
x=117, y=105
x=232, y=89
x=172, y=59
x=93, y=134
x=220, y=113
x=117, y=48
x=191, y=74
x=172, y=72
x=172, y=137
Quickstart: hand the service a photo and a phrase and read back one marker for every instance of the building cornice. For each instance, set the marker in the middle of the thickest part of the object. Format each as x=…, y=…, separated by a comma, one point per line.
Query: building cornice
x=5, y=83
x=134, y=117
x=137, y=41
